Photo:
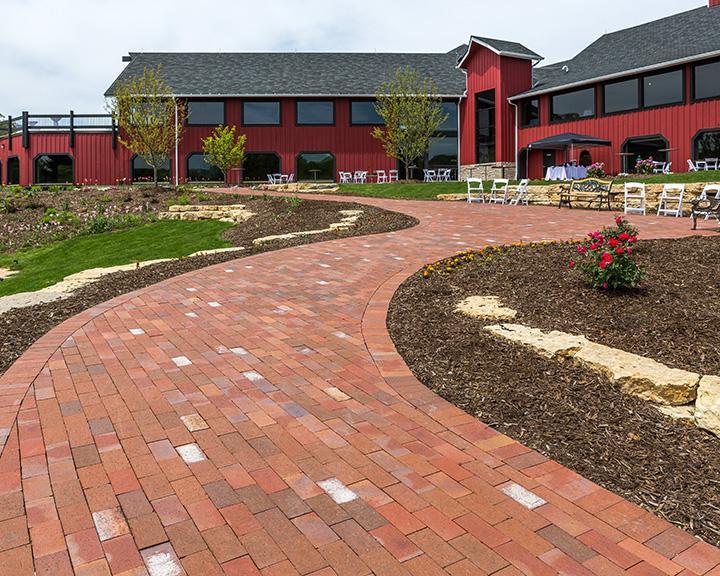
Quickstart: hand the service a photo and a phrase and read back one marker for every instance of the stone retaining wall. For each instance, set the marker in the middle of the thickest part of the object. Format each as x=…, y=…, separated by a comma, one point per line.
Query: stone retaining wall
x=488, y=171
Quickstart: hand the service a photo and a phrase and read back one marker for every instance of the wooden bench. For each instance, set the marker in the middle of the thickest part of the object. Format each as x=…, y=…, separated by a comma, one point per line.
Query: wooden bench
x=590, y=190
x=707, y=207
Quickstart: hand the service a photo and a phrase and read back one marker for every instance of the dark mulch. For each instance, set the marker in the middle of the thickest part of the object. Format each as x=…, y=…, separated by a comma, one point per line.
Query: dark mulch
x=566, y=412
x=20, y=328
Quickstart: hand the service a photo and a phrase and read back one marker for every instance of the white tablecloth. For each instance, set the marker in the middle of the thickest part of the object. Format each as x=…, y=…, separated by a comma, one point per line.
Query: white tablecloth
x=566, y=173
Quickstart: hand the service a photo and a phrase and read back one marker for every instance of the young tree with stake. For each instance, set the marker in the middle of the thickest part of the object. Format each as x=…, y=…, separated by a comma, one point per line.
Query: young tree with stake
x=223, y=150
x=412, y=113
x=149, y=117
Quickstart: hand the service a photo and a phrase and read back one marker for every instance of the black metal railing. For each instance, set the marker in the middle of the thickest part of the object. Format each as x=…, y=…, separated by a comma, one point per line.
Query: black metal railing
x=71, y=123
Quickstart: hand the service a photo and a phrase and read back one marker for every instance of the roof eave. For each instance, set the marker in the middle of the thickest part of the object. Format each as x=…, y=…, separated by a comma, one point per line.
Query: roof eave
x=473, y=40
x=631, y=72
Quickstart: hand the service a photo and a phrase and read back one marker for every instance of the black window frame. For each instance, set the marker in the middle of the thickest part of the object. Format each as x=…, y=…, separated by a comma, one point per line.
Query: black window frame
x=639, y=80
x=261, y=152
x=523, y=123
x=361, y=101
x=693, y=80
x=263, y=101
x=315, y=101
x=187, y=169
x=132, y=170
x=565, y=92
x=297, y=165
x=7, y=170
x=52, y=155
x=699, y=134
x=642, y=137
x=189, y=116
x=681, y=102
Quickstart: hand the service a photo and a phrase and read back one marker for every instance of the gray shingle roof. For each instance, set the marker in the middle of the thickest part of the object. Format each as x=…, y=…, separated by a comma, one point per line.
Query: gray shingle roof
x=507, y=48
x=678, y=37
x=291, y=74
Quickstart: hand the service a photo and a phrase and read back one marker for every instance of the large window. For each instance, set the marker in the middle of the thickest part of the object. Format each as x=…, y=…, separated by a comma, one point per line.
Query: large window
x=54, y=169
x=12, y=170
x=451, y=122
x=642, y=148
x=621, y=96
x=530, y=113
x=315, y=166
x=143, y=172
x=198, y=170
x=261, y=113
x=205, y=113
x=315, y=113
x=443, y=153
x=663, y=89
x=573, y=105
x=364, y=112
x=707, y=145
x=257, y=165
x=485, y=126
x=706, y=81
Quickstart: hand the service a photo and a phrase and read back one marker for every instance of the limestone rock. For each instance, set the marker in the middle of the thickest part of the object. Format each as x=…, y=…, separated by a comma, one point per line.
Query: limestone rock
x=682, y=413
x=555, y=345
x=640, y=376
x=707, y=407
x=227, y=213
x=486, y=307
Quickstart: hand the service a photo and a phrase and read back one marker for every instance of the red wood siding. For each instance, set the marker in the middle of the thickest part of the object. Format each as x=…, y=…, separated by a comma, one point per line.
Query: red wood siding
x=354, y=147
x=678, y=124
x=486, y=70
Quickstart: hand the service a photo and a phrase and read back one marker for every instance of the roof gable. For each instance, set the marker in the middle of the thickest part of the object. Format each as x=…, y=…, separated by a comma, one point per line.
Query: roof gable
x=501, y=48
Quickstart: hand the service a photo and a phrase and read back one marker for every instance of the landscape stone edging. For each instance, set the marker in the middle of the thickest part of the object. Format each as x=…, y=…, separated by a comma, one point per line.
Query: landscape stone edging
x=350, y=217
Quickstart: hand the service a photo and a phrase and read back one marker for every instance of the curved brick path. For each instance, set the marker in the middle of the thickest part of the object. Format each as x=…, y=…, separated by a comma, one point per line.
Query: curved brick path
x=190, y=428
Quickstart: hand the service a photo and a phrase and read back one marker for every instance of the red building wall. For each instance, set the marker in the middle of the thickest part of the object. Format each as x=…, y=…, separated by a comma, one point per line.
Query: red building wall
x=354, y=147
x=486, y=70
x=677, y=124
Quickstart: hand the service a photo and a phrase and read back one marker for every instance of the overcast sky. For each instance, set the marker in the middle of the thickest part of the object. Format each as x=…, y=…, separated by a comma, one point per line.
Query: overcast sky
x=61, y=54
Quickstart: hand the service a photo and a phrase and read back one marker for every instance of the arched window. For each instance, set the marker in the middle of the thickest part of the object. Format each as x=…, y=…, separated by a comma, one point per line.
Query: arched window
x=257, y=165
x=644, y=147
x=12, y=172
x=54, y=169
x=315, y=166
x=198, y=170
x=585, y=158
x=142, y=172
x=706, y=144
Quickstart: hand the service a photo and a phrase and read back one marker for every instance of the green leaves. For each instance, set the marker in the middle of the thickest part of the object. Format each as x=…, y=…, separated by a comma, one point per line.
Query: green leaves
x=223, y=149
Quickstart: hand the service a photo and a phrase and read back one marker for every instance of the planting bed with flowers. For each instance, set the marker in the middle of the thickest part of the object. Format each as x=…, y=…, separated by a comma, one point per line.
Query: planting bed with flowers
x=654, y=298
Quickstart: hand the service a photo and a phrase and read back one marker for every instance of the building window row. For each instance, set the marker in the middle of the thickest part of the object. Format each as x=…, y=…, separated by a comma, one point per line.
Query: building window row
x=637, y=93
x=307, y=113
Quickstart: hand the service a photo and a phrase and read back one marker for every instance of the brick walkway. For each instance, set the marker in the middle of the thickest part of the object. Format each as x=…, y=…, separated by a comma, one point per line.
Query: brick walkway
x=254, y=418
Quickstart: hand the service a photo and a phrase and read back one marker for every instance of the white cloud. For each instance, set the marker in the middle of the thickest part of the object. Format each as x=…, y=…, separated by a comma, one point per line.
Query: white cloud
x=63, y=54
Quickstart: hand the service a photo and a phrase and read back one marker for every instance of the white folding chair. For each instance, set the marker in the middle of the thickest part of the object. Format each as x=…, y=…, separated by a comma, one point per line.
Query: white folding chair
x=692, y=167
x=635, y=198
x=671, y=194
x=666, y=168
x=360, y=177
x=499, y=191
x=381, y=177
x=475, y=185
x=444, y=175
x=711, y=163
x=345, y=177
x=658, y=167
x=708, y=193
x=291, y=178
x=271, y=178
x=430, y=175
x=520, y=193
x=393, y=176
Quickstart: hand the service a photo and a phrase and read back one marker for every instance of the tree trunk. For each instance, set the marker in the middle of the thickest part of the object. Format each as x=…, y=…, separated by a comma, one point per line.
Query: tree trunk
x=407, y=171
x=155, y=176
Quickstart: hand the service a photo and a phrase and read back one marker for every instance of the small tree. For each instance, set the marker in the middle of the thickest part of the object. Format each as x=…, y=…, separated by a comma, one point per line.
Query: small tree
x=223, y=150
x=150, y=118
x=412, y=112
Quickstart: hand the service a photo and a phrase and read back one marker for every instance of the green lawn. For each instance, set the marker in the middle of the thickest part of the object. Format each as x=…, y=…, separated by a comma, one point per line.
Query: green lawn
x=41, y=267
x=429, y=191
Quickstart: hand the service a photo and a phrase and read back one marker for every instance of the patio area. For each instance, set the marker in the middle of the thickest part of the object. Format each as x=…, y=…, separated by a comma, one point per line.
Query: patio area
x=257, y=419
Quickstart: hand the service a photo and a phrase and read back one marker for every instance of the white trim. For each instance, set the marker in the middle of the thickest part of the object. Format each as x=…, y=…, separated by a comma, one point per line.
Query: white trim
x=668, y=64
x=517, y=143
x=474, y=40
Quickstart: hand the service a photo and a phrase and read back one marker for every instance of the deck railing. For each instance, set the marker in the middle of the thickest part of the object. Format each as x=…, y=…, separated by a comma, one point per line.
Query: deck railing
x=71, y=123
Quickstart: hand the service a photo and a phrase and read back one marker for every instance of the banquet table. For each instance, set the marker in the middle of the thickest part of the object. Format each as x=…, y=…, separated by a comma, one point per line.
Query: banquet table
x=566, y=173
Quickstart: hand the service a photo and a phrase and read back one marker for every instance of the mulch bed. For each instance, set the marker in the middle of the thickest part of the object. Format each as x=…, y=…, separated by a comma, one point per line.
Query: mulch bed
x=21, y=327
x=568, y=413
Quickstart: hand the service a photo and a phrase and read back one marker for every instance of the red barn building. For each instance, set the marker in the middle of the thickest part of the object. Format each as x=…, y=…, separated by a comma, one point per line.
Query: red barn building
x=651, y=90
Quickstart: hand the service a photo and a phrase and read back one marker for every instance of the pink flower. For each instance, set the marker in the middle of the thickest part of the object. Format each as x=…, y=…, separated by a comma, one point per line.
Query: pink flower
x=572, y=264
x=582, y=250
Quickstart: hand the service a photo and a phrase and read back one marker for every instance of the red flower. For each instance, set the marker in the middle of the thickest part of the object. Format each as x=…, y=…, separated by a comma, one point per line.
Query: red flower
x=572, y=264
x=619, y=251
x=624, y=236
x=629, y=251
x=619, y=220
x=614, y=242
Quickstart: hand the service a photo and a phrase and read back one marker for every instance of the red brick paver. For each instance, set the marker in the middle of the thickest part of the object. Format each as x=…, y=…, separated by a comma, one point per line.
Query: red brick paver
x=277, y=431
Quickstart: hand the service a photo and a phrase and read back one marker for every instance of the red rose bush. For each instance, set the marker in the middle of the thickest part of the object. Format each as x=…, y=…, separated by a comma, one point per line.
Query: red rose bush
x=607, y=258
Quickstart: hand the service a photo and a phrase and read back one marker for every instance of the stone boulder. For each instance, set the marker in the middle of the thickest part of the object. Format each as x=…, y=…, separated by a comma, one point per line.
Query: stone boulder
x=707, y=407
x=485, y=307
x=640, y=376
x=554, y=345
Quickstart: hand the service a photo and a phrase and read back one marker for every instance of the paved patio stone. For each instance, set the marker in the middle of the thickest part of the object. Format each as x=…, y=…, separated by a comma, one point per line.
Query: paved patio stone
x=269, y=427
